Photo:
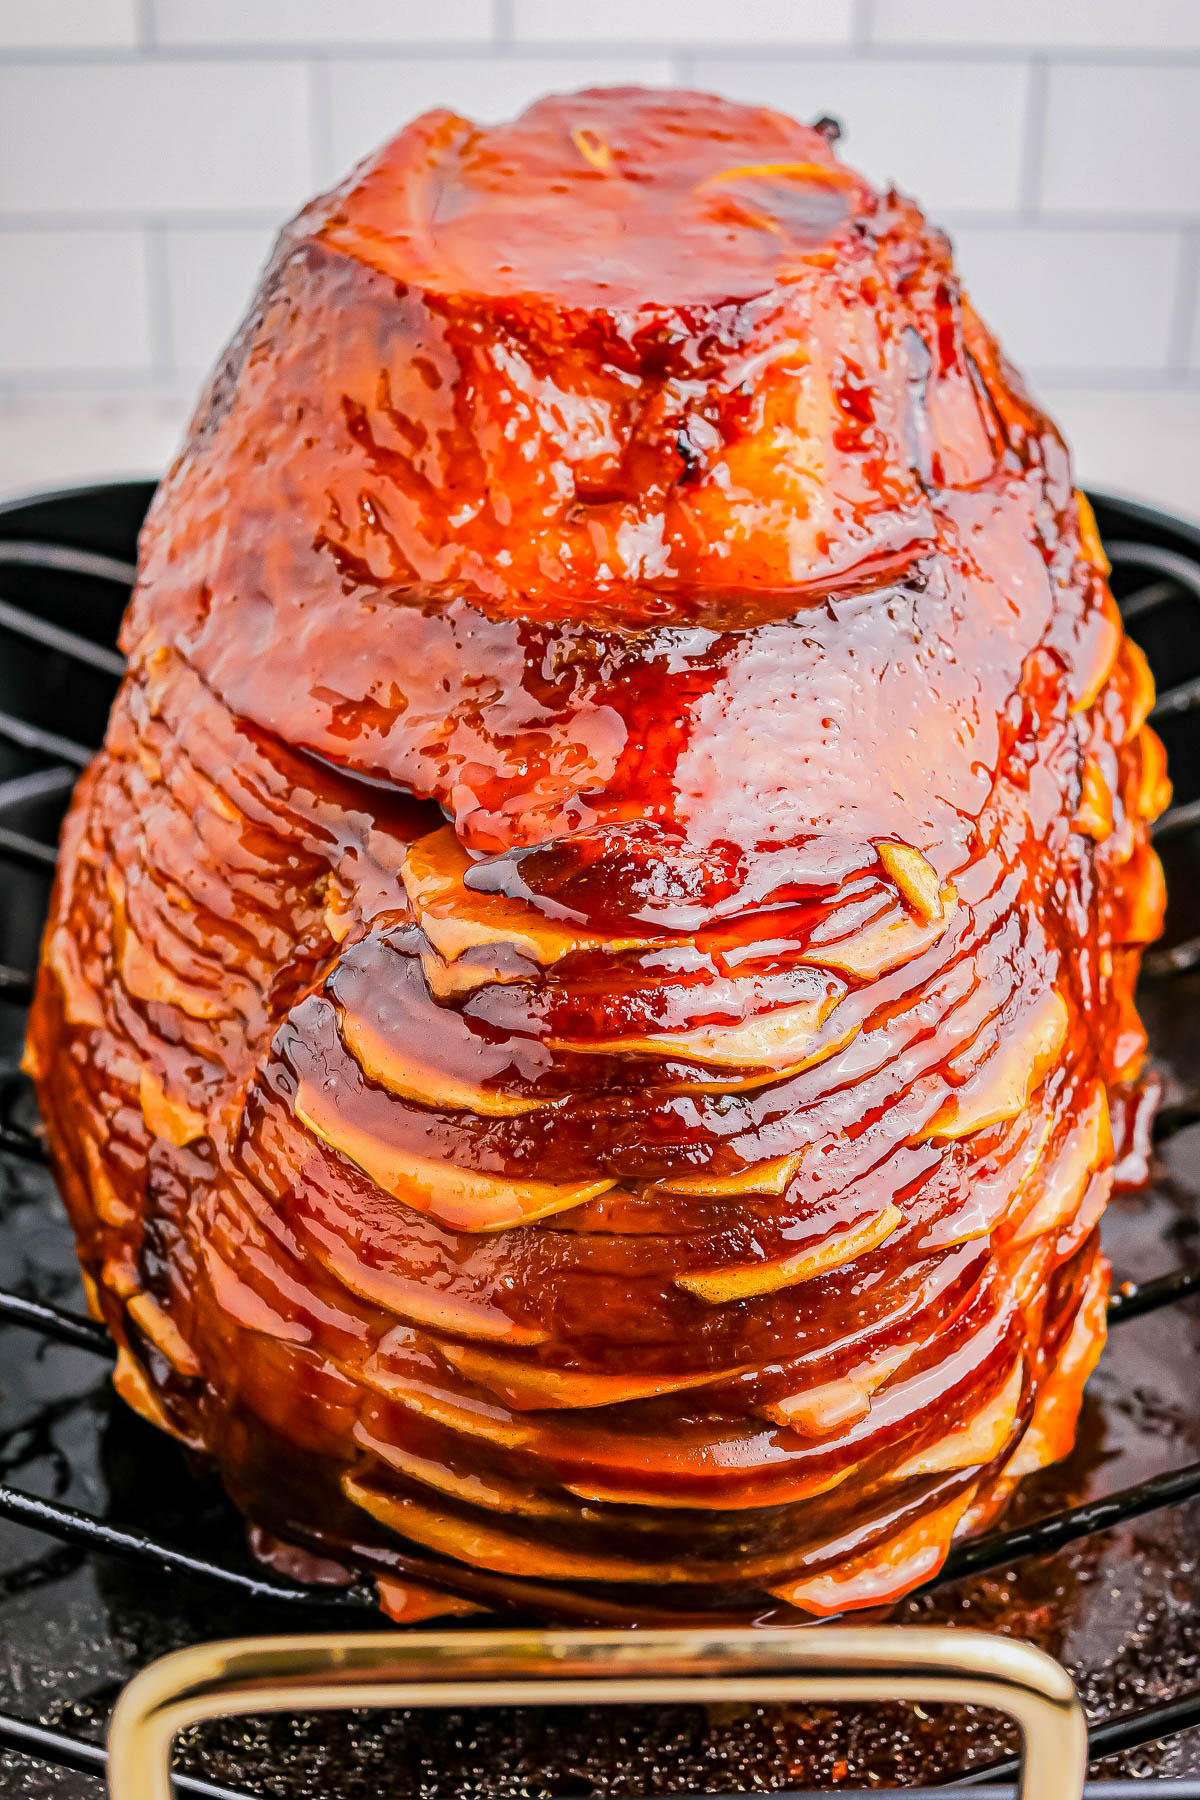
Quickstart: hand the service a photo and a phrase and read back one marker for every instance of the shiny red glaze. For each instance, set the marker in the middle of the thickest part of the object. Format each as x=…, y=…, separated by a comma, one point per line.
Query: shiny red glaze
x=673, y=1190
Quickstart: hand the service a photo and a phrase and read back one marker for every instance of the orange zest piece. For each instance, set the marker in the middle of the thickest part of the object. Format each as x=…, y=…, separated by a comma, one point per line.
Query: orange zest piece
x=593, y=148
x=749, y=1280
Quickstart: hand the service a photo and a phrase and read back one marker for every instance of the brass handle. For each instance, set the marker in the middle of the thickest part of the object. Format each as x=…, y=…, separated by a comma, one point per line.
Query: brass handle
x=579, y=1668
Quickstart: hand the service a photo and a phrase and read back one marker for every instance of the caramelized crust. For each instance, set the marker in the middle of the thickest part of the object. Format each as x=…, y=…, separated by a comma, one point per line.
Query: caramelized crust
x=578, y=1016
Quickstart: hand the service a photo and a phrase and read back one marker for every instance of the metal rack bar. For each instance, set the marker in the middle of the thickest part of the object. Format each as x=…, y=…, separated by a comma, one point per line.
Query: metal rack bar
x=75, y=1527
x=1175, y=820
x=1046, y=1535
x=1135, y=1298
x=1127, y=1731
x=55, y=637
x=69, y=1751
x=1174, y=1117
x=66, y=559
x=1146, y=600
x=1185, y=573
x=1163, y=965
x=15, y=984
x=47, y=743
x=54, y=1322
x=19, y=1142
x=1182, y=699
x=38, y=786
x=26, y=851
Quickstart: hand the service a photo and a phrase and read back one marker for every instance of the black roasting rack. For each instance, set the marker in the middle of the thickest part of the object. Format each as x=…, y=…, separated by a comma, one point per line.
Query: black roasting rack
x=113, y=1549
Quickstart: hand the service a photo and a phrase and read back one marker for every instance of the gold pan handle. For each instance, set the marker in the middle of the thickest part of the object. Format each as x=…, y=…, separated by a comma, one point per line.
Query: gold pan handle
x=583, y=1668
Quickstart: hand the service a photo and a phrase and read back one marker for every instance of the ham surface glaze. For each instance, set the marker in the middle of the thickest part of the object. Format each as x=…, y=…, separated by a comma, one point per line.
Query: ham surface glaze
x=583, y=992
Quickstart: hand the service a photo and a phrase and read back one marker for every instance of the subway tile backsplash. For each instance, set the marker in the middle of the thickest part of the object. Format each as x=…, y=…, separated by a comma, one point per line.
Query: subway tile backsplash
x=320, y=23
x=68, y=24
x=768, y=24
x=369, y=99
x=1123, y=140
x=75, y=299
x=153, y=137
x=210, y=272
x=1124, y=284
x=149, y=150
x=1039, y=24
x=952, y=136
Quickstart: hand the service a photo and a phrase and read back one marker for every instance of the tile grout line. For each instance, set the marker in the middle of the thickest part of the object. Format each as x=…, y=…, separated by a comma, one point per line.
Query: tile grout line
x=1183, y=348
x=146, y=25
x=862, y=25
x=533, y=49
x=320, y=123
x=158, y=278
x=1033, y=147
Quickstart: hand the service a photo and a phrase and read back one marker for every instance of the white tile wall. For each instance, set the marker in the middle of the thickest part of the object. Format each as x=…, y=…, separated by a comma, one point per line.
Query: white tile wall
x=323, y=22
x=1191, y=312
x=1039, y=24
x=149, y=149
x=67, y=24
x=775, y=22
x=1123, y=139
x=210, y=272
x=1068, y=300
x=367, y=97
x=154, y=136
x=74, y=301
x=953, y=137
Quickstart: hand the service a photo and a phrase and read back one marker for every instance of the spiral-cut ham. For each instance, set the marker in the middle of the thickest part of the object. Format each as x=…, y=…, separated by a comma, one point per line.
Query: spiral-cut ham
x=578, y=1019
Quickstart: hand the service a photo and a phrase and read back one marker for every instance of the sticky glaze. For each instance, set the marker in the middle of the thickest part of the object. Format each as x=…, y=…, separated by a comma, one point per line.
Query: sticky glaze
x=579, y=1013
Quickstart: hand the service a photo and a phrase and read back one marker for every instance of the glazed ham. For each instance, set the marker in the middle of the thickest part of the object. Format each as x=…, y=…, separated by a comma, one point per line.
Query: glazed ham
x=584, y=987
